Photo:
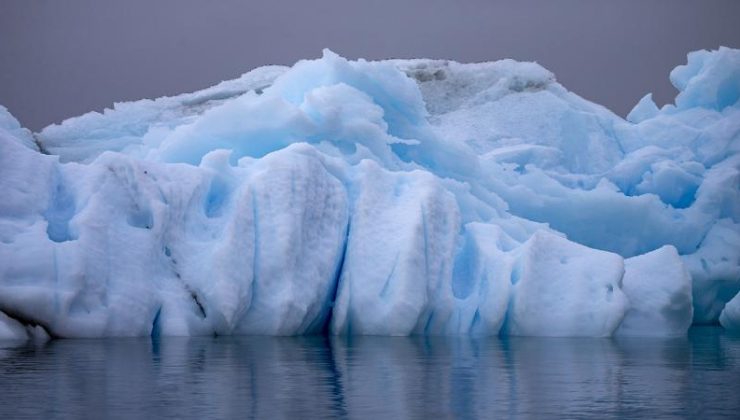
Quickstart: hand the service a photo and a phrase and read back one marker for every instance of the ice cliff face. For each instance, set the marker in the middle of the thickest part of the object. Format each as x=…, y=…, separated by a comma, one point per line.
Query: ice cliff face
x=393, y=198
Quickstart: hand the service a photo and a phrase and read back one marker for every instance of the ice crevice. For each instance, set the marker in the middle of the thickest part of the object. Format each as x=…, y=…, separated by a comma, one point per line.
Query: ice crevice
x=385, y=198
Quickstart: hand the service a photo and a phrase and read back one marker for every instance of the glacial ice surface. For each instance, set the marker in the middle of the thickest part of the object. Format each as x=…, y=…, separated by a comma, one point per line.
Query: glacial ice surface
x=390, y=198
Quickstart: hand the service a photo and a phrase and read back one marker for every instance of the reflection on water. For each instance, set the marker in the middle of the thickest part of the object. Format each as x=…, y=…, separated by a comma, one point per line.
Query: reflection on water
x=319, y=377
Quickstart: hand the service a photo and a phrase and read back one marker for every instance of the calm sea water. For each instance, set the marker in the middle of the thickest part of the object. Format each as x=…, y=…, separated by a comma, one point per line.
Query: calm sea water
x=373, y=377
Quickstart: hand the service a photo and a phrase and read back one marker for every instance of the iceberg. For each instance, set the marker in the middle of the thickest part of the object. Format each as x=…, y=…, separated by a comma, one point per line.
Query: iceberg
x=392, y=197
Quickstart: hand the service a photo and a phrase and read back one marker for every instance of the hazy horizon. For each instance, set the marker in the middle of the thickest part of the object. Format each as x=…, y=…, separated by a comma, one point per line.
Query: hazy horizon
x=64, y=59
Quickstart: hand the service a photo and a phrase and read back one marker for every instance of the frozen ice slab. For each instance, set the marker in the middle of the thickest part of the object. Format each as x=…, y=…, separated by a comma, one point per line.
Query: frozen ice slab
x=564, y=289
x=658, y=286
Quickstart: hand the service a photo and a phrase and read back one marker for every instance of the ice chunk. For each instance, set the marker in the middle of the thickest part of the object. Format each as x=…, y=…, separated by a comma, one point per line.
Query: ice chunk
x=545, y=116
x=11, y=329
x=11, y=130
x=730, y=316
x=645, y=109
x=658, y=287
x=561, y=288
x=137, y=127
x=198, y=250
x=481, y=283
x=398, y=264
x=300, y=216
x=715, y=270
x=710, y=79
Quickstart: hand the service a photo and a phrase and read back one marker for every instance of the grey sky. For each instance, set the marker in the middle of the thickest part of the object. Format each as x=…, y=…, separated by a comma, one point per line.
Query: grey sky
x=62, y=58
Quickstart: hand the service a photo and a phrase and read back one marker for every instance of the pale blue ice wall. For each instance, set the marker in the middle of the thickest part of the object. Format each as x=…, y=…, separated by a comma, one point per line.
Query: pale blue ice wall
x=397, y=197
